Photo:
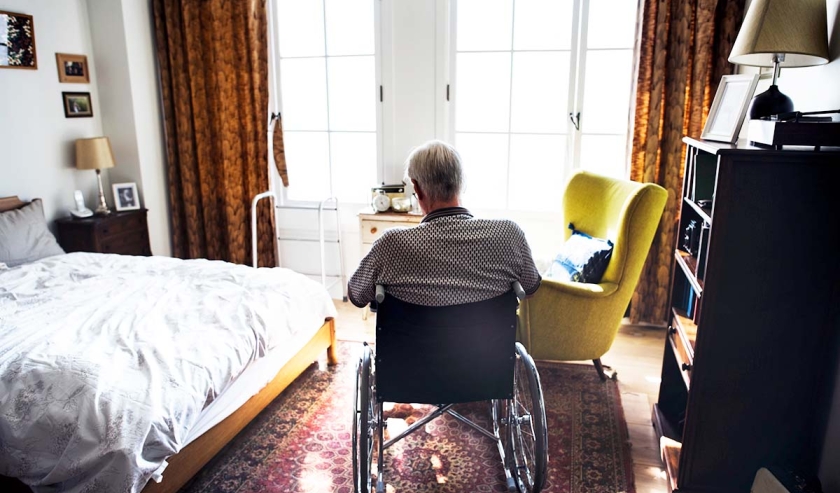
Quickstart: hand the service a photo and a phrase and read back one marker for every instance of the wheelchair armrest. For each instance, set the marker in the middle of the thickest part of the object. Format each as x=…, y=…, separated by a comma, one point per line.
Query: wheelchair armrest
x=517, y=289
x=583, y=290
x=380, y=293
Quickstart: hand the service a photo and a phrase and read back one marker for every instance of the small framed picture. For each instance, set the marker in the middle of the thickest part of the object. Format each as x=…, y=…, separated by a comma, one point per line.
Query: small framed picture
x=72, y=68
x=77, y=104
x=729, y=108
x=126, y=197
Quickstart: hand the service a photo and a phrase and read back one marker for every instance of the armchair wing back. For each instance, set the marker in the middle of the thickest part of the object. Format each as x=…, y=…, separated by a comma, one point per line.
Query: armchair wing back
x=575, y=321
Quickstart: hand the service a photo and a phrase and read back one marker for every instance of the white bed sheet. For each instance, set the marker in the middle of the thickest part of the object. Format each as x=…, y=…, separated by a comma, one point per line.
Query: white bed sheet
x=107, y=361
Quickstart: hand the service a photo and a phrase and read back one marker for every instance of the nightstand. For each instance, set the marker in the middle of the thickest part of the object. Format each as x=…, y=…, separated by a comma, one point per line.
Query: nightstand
x=125, y=233
x=373, y=224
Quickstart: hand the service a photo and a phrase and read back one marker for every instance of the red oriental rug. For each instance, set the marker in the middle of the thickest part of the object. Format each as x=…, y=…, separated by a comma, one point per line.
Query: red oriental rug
x=301, y=441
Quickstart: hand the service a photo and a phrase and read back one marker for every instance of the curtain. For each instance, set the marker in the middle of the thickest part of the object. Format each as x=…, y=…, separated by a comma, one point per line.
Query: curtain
x=683, y=50
x=213, y=58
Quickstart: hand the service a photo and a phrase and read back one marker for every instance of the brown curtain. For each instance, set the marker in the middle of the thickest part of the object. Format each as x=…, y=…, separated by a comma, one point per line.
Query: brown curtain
x=213, y=57
x=683, y=51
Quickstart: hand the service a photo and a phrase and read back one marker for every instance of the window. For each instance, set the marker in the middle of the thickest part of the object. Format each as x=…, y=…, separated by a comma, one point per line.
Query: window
x=326, y=57
x=521, y=69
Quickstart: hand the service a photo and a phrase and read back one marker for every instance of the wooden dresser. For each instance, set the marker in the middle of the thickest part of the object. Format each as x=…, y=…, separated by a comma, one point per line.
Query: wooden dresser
x=373, y=224
x=751, y=352
x=124, y=233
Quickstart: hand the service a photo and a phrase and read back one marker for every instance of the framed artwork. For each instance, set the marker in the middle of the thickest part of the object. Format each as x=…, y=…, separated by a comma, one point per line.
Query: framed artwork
x=729, y=108
x=77, y=104
x=72, y=68
x=17, y=41
x=125, y=196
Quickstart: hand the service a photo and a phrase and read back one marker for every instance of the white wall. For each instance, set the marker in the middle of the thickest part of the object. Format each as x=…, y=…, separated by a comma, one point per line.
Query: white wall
x=37, y=156
x=124, y=51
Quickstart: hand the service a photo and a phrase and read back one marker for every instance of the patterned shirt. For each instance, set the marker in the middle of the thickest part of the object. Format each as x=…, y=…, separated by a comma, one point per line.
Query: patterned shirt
x=448, y=259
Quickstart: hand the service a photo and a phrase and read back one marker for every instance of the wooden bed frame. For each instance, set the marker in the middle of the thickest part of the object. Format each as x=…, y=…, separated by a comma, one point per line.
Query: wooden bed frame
x=185, y=464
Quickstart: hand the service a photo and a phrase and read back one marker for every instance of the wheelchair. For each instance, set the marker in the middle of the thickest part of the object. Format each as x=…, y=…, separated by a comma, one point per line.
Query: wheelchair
x=444, y=356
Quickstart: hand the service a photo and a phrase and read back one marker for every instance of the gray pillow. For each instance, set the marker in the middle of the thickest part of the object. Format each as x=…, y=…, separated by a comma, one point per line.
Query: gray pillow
x=24, y=236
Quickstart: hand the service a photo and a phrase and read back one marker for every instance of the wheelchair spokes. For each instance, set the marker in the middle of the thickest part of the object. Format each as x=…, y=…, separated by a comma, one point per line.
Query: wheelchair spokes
x=365, y=423
x=528, y=430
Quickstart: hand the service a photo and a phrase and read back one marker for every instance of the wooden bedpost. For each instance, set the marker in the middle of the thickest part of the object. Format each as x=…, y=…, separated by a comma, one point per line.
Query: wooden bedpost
x=332, y=357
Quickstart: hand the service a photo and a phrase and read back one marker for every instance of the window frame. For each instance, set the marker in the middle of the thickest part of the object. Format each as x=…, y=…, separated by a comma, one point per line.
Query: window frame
x=447, y=66
x=276, y=103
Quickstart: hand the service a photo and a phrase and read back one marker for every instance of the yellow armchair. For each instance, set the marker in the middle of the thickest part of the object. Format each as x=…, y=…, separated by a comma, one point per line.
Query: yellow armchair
x=570, y=321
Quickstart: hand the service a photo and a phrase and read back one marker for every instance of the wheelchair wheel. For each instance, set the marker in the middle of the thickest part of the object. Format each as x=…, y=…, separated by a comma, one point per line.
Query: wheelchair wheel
x=364, y=425
x=528, y=432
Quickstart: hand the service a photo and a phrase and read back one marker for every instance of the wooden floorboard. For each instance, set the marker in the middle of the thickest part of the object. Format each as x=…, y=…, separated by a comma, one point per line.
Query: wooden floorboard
x=636, y=355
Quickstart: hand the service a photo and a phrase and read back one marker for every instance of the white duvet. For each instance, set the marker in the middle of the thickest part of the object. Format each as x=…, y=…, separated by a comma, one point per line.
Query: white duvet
x=106, y=361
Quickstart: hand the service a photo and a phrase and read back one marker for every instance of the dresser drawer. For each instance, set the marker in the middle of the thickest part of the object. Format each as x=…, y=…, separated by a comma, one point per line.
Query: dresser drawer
x=128, y=243
x=116, y=226
x=372, y=230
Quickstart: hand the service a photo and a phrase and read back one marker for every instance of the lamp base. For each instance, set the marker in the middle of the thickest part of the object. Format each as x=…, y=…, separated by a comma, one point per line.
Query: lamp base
x=102, y=208
x=770, y=102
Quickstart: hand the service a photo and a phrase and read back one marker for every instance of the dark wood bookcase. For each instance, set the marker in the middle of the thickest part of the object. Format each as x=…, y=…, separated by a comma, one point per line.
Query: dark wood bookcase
x=750, y=357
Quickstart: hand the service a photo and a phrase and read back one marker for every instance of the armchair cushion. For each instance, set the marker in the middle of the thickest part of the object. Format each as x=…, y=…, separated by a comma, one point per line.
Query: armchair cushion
x=582, y=259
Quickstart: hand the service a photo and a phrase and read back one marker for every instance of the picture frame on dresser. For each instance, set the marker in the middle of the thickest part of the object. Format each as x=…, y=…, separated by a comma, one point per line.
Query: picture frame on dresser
x=126, y=197
x=729, y=108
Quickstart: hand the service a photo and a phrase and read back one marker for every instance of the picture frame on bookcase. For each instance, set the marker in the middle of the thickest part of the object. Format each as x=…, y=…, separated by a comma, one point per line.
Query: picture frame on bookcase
x=726, y=115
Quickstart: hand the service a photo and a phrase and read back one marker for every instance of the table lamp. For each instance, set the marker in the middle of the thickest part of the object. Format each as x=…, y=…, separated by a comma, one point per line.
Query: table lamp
x=95, y=154
x=781, y=33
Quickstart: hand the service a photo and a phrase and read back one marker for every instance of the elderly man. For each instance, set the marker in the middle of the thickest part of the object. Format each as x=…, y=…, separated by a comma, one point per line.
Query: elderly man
x=450, y=258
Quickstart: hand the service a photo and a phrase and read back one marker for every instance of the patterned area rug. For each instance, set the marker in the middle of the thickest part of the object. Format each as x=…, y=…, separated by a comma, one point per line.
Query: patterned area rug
x=301, y=441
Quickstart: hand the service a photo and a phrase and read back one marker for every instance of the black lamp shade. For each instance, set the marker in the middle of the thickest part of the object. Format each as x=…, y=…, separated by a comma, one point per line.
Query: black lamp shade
x=770, y=102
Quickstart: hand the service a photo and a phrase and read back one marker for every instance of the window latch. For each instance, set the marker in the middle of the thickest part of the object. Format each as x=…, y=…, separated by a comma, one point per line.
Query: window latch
x=575, y=119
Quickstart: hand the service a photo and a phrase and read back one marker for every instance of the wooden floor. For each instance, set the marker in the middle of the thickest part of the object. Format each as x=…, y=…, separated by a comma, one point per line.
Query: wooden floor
x=636, y=355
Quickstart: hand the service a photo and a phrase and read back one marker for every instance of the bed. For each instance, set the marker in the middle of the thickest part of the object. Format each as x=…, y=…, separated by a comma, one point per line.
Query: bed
x=118, y=371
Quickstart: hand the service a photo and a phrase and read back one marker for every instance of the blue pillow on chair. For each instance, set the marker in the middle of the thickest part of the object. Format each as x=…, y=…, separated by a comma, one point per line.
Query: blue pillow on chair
x=583, y=258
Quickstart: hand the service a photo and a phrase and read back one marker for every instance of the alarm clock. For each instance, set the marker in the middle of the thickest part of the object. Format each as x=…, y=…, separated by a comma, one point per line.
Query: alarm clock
x=381, y=202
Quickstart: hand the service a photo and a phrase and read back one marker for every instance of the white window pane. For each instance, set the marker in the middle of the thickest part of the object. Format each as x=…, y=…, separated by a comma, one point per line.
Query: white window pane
x=540, y=92
x=352, y=93
x=606, y=91
x=350, y=27
x=303, y=84
x=536, y=171
x=482, y=92
x=484, y=24
x=300, y=27
x=307, y=160
x=543, y=25
x=484, y=159
x=353, y=165
x=612, y=24
x=604, y=154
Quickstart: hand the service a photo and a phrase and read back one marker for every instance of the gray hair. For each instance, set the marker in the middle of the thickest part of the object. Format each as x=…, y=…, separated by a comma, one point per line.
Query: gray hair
x=436, y=167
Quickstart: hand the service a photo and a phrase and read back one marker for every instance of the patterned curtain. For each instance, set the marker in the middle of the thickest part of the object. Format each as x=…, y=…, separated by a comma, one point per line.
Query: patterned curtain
x=683, y=51
x=213, y=57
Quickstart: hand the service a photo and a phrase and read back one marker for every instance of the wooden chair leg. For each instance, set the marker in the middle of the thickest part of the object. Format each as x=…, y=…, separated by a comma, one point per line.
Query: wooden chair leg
x=604, y=371
x=600, y=369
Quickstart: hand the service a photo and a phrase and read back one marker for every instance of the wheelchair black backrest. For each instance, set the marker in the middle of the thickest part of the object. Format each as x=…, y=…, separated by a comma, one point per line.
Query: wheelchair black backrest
x=445, y=355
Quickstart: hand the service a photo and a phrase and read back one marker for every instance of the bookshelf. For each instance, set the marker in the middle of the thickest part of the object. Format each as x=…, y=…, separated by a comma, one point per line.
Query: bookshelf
x=751, y=352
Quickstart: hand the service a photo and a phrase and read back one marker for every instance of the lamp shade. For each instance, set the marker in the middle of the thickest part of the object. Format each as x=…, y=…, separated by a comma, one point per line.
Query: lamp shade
x=94, y=153
x=797, y=29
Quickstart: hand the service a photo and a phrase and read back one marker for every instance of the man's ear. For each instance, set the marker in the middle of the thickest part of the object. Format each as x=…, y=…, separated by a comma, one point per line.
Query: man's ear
x=417, y=190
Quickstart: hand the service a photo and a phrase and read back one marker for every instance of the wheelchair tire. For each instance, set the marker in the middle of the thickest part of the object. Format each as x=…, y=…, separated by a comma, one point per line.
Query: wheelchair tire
x=528, y=432
x=364, y=409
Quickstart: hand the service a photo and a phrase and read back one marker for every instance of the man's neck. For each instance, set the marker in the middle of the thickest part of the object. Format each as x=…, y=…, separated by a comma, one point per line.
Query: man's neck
x=442, y=205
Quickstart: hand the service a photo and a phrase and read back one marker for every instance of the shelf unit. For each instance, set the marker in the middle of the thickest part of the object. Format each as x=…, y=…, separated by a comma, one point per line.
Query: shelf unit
x=749, y=361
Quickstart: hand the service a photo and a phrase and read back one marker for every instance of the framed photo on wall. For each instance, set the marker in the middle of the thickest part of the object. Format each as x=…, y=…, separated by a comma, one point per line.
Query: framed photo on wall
x=729, y=108
x=17, y=41
x=77, y=104
x=72, y=68
x=126, y=197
